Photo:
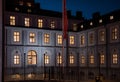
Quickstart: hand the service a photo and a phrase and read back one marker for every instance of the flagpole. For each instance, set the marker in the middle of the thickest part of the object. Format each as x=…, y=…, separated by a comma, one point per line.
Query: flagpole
x=64, y=29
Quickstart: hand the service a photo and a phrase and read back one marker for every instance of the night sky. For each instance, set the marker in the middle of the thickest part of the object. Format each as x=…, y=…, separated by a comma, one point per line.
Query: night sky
x=88, y=7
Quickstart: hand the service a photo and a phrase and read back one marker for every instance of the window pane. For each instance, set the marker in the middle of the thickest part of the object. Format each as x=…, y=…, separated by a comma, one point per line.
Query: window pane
x=32, y=57
x=72, y=40
x=12, y=20
x=59, y=39
x=16, y=36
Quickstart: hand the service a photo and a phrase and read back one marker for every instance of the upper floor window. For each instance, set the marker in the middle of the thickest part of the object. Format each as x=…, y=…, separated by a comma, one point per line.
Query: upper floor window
x=12, y=20
x=82, y=40
x=40, y=23
x=102, y=36
x=21, y=3
x=27, y=22
x=72, y=40
x=32, y=37
x=32, y=57
x=59, y=39
x=114, y=33
x=59, y=59
x=102, y=58
x=111, y=17
x=91, y=23
x=16, y=9
x=52, y=24
x=115, y=58
x=16, y=36
x=75, y=27
x=92, y=59
x=16, y=58
x=46, y=59
x=91, y=38
x=71, y=59
x=82, y=59
x=100, y=21
x=47, y=38
x=81, y=26
x=29, y=4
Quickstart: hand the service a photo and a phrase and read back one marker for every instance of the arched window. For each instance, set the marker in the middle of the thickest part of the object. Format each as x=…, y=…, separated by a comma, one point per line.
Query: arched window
x=32, y=57
x=82, y=59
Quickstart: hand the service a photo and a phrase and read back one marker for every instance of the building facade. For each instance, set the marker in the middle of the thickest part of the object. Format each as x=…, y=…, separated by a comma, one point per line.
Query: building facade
x=35, y=48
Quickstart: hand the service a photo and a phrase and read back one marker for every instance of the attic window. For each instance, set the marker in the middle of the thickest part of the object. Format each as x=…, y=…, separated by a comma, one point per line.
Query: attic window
x=16, y=9
x=91, y=23
x=100, y=21
x=21, y=3
x=81, y=26
x=29, y=4
x=111, y=17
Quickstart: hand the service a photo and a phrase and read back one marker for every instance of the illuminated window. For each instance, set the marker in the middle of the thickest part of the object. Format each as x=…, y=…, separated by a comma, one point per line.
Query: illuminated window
x=102, y=35
x=32, y=57
x=71, y=59
x=21, y=3
x=92, y=59
x=75, y=27
x=91, y=23
x=40, y=23
x=111, y=17
x=114, y=33
x=46, y=59
x=102, y=58
x=81, y=26
x=72, y=40
x=115, y=58
x=59, y=39
x=91, y=38
x=12, y=20
x=29, y=4
x=82, y=40
x=27, y=22
x=31, y=75
x=82, y=59
x=52, y=24
x=16, y=59
x=47, y=38
x=16, y=76
x=29, y=10
x=16, y=9
x=100, y=21
x=16, y=36
x=32, y=37
x=59, y=59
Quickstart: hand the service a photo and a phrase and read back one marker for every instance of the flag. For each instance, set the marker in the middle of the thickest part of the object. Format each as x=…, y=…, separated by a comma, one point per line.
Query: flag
x=65, y=21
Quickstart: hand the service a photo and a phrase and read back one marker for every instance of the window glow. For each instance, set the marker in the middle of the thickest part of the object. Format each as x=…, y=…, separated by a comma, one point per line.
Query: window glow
x=32, y=37
x=27, y=22
x=46, y=38
x=12, y=20
x=72, y=40
x=32, y=57
x=16, y=36
x=59, y=39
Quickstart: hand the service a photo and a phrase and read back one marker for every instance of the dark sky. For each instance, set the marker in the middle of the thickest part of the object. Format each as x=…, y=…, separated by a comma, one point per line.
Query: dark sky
x=88, y=7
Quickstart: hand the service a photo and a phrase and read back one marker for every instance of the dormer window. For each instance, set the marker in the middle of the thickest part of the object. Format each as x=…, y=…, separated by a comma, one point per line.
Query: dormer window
x=16, y=9
x=29, y=4
x=100, y=21
x=91, y=23
x=111, y=17
x=21, y=3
